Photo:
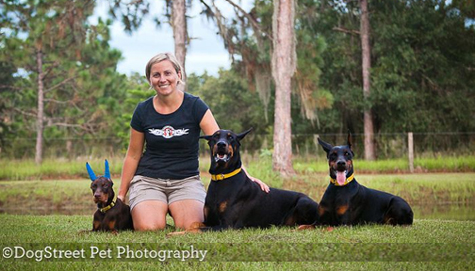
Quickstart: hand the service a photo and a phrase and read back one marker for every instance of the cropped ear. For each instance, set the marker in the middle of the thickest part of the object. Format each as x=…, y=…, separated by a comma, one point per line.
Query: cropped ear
x=349, y=141
x=92, y=176
x=207, y=137
x=243, y=134
x=326, y=147
x=107, y=173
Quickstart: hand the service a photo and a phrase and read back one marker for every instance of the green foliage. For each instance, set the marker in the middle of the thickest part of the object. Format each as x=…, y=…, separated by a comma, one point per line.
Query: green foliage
x=422, y=77
x=427, y=245
x=82, y=89
x=233, y=105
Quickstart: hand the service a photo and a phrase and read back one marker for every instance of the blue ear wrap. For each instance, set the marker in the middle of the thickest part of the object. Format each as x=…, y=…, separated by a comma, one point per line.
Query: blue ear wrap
x=92, y=176
x=107, y=173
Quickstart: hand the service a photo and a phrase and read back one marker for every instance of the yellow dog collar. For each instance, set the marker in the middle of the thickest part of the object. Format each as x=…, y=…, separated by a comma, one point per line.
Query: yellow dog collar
x=108, y=207
x=220, y=177
x=348, y=180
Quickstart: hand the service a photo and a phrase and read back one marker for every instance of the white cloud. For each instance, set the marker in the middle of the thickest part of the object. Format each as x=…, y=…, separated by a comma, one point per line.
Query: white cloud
x=206, y=51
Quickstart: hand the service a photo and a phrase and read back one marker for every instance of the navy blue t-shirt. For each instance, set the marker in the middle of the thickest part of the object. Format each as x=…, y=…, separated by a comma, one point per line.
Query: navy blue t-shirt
x=171, y=150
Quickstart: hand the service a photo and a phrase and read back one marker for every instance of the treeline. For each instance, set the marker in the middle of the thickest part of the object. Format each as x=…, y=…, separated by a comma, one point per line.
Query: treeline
x=422, y=75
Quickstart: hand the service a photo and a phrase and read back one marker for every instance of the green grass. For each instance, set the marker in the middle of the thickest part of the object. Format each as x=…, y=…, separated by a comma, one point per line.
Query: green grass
x=428, y=244
x=432, y=192
x=261, y=166
x=422, y=164
x=55, y=168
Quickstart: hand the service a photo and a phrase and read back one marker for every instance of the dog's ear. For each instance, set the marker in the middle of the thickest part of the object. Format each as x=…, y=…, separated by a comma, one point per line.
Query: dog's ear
x=92, y=176
x=107, y=173
x=243, y=134
x=326, y=147
x=207, y=137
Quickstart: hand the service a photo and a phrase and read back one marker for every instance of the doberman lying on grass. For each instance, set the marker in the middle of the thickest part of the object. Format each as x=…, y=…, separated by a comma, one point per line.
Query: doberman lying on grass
x=234, y=201
x=346, y=202
x=112, y=214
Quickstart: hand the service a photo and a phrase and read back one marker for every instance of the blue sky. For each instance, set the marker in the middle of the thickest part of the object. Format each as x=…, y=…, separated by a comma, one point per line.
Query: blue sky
x=206, y=51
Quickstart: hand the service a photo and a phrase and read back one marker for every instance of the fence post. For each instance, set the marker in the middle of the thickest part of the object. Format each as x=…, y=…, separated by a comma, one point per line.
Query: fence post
x=410, y=147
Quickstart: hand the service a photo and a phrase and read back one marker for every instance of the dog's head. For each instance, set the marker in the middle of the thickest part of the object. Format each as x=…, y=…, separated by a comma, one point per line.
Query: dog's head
x=224, y=146
x=340, y=160
x=101, y=186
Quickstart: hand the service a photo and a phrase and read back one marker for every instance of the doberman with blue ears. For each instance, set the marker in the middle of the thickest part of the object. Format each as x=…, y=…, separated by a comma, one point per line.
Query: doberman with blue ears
x=346, y=202
x=233, y=201
x=112, y=214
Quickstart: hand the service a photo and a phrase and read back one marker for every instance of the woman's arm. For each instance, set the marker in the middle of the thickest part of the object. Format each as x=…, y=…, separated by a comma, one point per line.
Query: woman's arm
x=263, y=186
x=131, y=161
x=209, y=125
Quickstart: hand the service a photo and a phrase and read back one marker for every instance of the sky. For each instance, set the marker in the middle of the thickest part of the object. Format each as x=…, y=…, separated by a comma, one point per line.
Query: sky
x=206, y=51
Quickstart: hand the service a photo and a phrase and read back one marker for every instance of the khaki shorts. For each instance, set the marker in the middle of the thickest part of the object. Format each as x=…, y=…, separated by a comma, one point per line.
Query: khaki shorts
x=145, y=188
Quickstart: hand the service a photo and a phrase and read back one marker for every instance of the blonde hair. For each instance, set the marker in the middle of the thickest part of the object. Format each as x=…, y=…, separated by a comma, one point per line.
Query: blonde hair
x=161, y=57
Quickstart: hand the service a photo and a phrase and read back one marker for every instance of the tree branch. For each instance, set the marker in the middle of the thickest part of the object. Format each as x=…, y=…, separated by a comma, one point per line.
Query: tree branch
x=24, y=113
x=347, y=31
x=60, y=84
x=254, y=23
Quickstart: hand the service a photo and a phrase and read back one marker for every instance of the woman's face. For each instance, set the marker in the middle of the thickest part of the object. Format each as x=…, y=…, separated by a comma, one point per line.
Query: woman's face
x=164, y=78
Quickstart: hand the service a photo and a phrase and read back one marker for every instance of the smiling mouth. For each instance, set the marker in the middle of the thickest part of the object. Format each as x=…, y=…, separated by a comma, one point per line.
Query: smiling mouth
x=221, y=157
x=340, y=176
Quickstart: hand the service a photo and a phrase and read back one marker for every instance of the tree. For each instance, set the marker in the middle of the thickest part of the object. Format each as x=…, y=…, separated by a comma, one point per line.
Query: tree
x=283, y=68
x=64, y=60
x=50, y=28
x=366, y=66
x=179, y=27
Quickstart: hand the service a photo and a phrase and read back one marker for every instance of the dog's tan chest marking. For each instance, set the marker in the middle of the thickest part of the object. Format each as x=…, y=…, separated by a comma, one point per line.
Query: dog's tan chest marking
x=340, y=210
x=222, y=206
x=111, y=225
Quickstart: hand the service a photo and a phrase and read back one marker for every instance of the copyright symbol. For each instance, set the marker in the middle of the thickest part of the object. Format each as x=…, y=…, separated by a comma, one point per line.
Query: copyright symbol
x=7, y=252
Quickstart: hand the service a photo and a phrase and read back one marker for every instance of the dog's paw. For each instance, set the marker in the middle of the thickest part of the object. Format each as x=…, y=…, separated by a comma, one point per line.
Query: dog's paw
x=305, y=227
x=196, y=225
x=176, y=233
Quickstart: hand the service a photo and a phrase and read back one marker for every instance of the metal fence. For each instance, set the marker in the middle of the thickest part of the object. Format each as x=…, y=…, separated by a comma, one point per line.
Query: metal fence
x=393, y=145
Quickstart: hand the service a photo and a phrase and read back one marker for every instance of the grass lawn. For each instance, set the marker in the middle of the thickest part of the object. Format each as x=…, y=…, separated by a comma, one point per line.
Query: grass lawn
x=428, y=244
x=442, y=237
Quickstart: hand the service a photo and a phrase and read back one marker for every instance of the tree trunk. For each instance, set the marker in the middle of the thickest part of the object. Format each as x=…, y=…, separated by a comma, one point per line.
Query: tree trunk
x=366, y=56
x=179, y=31
x=283, y=68
x=40, y=113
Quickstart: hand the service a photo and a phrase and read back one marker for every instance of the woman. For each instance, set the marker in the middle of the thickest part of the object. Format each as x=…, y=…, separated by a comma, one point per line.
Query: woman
x=165, y=178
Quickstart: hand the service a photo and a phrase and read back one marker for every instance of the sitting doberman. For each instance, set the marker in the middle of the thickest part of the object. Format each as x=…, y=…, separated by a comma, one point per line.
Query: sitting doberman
x=234, y=201
x=112, y=214
x=346, y=202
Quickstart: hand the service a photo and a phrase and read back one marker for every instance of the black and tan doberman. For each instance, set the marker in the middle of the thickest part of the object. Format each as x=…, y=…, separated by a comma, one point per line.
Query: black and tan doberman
x=346, y=202
x=112, y=214
x=233, y=201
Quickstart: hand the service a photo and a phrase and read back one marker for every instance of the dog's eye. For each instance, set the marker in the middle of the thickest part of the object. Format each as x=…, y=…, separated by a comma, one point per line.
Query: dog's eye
x=347, y=154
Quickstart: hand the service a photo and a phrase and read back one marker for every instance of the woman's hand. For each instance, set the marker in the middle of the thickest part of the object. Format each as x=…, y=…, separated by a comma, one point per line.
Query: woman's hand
x=122, y=198
x=263, y=186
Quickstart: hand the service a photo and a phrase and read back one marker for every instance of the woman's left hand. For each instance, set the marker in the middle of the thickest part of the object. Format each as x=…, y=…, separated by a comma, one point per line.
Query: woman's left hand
x=263, y=186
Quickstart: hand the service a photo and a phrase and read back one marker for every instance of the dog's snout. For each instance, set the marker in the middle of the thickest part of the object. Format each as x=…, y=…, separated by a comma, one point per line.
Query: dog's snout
x=221, y=144
x=341, y=163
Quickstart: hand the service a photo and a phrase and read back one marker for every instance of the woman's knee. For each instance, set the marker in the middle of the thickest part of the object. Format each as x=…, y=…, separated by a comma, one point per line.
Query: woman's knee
x=147, y=226
x=150, y=216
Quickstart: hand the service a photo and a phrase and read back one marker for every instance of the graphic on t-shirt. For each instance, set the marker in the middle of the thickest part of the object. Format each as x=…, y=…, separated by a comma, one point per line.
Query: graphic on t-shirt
x=168, y=132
